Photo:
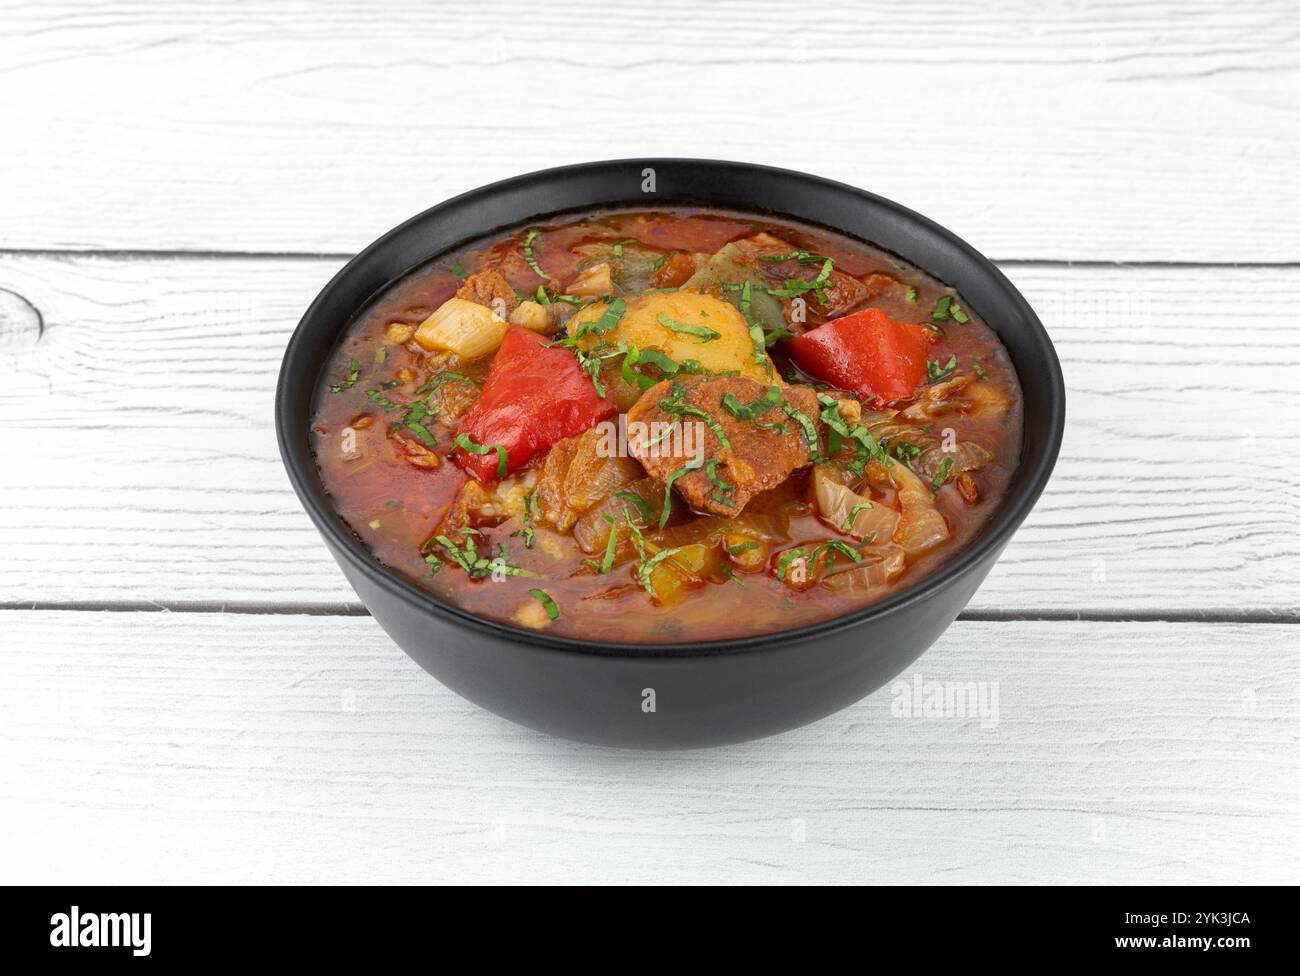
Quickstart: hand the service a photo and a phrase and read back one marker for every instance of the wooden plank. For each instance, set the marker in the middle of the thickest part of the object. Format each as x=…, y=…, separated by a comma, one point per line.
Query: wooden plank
x=215, y=748
x=149, y=471
x=1139, y=131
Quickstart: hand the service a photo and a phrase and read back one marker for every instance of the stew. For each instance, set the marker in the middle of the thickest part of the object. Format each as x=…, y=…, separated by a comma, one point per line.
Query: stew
x=683, y=425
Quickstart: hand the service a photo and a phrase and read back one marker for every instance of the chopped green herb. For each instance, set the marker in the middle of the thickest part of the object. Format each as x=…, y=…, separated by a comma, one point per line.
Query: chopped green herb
x=941, y=307
x=704, y=333
x=936, y=371
x=724, y=493
x=611, y=545
x=381, y=355
x=476, y=565
x=608, y=319
x=642, y=506
x=788, y=557
x=350, y=380
x=853, y=515
x=911, y=296
x=396, y=504
x=831, y=548
x=618, y=245
x=676, y=405
x=544, y=598
x=529, y=257
x=733, y=577
x=694, y=464
x=646, y=569
x=979, y=370
x=802, y=256
x=751, y=411
x=959, y=313
x=798, y=286
x=383, y=401
x=940, y=476
x=467, y=443
x=441, y=380
x=809, y=431
x=740, y=547
x=459, y=271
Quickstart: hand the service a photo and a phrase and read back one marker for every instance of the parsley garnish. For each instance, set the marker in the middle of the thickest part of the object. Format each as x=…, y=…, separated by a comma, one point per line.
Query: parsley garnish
x=673, y=403
x=527, y=531
x=529, y=257
x=787, y=557
x=750, y=411
x=937, y=371
x=544, y=598
x=704, y=333
x=350, y=380
x=644, y=571
x=940, y=476
x=467, y=443
x=853, y=515
x=642, y=506
x=608, y=319
x=694, y=464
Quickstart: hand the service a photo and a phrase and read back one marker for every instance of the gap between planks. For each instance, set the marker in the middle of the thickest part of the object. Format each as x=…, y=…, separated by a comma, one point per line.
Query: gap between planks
x=174, y=254
x=359, y=610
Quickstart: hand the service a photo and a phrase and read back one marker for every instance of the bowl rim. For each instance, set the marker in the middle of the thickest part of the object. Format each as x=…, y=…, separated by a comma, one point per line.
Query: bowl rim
x=1004, y=522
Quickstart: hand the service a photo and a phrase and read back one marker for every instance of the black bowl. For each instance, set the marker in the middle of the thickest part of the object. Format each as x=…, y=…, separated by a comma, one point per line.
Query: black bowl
x=671, y=695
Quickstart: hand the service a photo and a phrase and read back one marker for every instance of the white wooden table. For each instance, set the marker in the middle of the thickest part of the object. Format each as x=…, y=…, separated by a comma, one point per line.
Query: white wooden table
x=190, y=692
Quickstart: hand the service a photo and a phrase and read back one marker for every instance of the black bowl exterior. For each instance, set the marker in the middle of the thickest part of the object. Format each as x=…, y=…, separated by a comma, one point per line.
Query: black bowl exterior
x=669, y=701
x=671, y=695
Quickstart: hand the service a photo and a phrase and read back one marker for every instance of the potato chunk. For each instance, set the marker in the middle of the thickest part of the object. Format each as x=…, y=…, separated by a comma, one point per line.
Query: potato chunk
x=681, y=325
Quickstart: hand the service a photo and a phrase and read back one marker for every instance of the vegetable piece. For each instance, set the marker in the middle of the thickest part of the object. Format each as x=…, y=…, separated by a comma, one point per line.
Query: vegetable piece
x=849, y=512
x=534, y=395
x=544, y=598
x=532, y=315
x=878, y=568
x=468, y=329
x=745, y=552
x=593, y=282
x=726, y=273
x=640, y=324
x=921, y=526
x=866, y=352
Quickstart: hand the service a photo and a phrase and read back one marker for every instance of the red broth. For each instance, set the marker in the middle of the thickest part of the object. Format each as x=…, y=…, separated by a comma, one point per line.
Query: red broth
x=532, y=549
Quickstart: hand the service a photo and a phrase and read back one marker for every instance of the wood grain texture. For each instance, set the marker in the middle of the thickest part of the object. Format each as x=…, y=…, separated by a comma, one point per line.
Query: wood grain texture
x=1138, y=131
x=151, y=474
x=235, y=748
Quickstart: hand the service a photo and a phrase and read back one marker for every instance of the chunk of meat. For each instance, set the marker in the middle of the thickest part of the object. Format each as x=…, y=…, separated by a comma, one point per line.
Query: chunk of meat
x=719, y=460
x=843, y=292
x=578, y=473
x=489, y=288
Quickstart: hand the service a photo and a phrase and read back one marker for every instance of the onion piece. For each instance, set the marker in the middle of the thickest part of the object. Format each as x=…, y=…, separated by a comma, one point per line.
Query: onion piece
x=836, y=503
x=468, y=329
x=921, y=526
x=880, y=566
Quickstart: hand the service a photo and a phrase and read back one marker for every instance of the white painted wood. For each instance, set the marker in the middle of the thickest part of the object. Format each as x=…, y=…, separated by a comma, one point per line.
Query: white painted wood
x=149, y=471
x=233, y=748
x=1143, y=131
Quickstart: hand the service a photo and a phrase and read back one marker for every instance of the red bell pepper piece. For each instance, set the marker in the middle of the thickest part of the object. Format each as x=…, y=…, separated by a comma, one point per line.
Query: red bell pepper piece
x=867, y=353
x=535, y=394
